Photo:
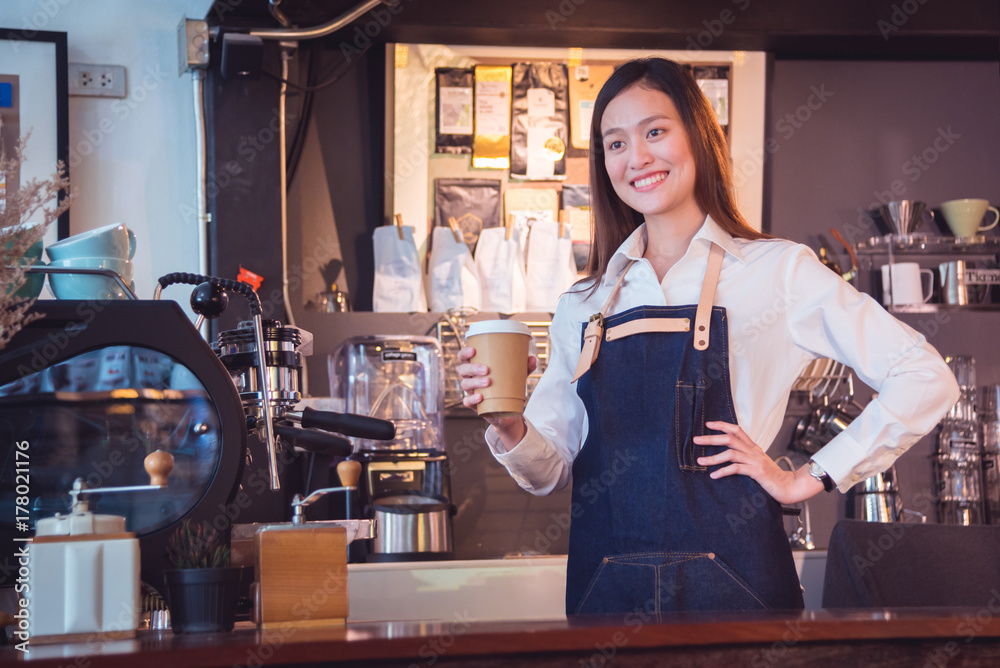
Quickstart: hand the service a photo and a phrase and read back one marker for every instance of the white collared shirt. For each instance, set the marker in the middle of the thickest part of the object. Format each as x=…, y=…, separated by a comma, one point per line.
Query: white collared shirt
x=784, y=309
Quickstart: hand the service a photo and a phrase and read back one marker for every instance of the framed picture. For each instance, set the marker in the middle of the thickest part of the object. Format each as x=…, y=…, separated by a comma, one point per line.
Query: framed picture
x=33, y=97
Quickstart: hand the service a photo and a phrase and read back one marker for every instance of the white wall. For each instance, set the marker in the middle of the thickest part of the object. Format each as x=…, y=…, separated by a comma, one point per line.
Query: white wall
x=131, y=159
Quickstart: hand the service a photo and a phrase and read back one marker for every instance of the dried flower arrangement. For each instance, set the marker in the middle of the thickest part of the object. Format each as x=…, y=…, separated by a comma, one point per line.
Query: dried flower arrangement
x=27, y=203
x=197, y=546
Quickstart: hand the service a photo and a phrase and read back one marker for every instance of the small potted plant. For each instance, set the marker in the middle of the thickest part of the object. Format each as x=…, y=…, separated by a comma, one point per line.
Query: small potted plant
x=202, y=587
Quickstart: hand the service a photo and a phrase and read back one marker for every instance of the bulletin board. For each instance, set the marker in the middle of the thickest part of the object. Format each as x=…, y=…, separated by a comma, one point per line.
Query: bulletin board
x=417, y=158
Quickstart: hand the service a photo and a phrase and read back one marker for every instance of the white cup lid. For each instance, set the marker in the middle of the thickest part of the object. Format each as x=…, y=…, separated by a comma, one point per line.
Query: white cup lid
x=497, y=327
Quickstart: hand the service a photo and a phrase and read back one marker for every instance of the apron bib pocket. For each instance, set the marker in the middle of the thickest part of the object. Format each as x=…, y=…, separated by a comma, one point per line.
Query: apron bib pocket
x=689, y=421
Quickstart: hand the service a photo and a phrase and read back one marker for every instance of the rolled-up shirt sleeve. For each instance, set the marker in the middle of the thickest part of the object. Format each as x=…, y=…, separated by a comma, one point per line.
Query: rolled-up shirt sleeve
x=555, y=415
x=829, y=318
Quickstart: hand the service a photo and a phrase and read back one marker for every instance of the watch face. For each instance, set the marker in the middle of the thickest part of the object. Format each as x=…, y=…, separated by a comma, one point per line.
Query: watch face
x=816, y=471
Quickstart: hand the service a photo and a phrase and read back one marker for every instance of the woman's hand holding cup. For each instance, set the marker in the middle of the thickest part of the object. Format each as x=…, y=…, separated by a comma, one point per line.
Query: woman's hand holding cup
x=510, y=427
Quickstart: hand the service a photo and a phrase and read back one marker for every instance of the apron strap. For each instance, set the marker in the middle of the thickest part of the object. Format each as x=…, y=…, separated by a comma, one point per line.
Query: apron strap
x=595, y=329
x=614, y=290
x=702, y=319
x=703, y=316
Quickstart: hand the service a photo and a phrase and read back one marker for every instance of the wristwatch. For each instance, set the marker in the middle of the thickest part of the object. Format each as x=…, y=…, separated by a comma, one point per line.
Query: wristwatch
x=816, y=471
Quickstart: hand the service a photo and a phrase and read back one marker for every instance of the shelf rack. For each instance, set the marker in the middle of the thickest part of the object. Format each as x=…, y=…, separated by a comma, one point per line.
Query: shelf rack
x=929, y=251
x=450, y=332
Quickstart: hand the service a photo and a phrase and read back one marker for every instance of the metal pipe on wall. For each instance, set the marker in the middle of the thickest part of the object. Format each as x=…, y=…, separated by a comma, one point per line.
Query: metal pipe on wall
x=289, y=41
x=201, y=169
x=289, y=38
x=297, y=34
x=286, y=55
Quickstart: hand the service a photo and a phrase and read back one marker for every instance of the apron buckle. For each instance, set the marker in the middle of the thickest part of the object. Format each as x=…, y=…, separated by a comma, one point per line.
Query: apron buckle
x=591, y=345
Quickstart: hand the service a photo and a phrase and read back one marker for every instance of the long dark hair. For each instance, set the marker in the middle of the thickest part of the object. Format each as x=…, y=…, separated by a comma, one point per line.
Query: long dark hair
x=613, y=220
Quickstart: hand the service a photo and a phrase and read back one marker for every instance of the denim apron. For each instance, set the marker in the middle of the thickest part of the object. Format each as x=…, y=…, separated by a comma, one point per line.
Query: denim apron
x=651, y=531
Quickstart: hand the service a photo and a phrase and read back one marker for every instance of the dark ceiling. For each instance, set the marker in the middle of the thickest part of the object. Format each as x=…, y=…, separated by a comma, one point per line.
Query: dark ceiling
x=931, y=29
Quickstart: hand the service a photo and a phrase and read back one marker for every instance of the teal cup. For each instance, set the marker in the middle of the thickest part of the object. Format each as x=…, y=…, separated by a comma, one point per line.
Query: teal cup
x=111, y=241
x=84, y=286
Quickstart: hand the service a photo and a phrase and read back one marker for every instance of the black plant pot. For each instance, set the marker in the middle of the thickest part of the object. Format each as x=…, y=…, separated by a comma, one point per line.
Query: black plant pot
x=202, y=600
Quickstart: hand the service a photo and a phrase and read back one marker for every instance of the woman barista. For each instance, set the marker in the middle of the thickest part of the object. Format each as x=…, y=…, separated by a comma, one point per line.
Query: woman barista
x=671, y=365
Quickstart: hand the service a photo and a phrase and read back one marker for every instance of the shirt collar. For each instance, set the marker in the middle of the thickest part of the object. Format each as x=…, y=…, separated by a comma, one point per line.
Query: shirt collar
x=633, y=247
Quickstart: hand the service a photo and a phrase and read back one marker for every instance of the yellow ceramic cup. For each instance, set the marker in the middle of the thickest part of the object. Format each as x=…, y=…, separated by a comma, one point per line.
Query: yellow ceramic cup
x=965, y=215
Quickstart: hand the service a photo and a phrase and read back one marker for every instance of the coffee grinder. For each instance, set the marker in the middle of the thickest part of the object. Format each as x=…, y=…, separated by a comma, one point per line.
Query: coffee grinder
x=404, y=482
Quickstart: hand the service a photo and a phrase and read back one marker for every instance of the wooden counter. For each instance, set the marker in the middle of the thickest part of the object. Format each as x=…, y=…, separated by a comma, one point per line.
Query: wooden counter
x=901, y=637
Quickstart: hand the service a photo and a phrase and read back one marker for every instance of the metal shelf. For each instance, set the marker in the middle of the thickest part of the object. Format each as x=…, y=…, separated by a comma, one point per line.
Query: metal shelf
x=941, y=308
x=929, y=251
x=922, y=244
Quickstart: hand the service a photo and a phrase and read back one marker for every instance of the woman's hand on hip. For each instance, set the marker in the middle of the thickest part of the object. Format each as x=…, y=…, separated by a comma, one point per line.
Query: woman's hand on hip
x=477, y=376
x=747, y=458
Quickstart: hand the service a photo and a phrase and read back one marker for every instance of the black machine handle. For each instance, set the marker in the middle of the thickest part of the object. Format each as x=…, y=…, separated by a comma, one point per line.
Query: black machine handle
x=315, y=441
x=348, y=424
x=244, y=289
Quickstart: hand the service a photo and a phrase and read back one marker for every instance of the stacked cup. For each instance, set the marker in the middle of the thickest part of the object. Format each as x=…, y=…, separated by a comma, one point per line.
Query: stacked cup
x=991, y=454
x=109, y=247
x=956, y=464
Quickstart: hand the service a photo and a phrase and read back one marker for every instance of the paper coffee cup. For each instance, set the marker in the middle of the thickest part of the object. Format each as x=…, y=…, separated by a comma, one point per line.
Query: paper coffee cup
x=502, y=345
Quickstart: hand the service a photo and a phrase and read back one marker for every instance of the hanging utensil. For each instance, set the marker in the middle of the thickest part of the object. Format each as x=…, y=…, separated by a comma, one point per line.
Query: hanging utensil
x=848, y=276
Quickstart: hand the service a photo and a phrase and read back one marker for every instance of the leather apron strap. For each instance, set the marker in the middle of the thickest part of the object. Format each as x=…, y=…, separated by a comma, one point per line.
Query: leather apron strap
x=703, y=316
x=595, y=328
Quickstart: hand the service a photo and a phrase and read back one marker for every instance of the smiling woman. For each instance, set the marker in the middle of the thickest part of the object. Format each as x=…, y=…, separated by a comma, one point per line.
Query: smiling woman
x=675, y=405
x=649, y=162
x=673, y=125
x=644, y=144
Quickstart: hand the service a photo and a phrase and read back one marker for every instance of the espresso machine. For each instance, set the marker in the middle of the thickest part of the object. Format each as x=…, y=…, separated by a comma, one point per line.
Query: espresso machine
x=94, y=386
x=404, y=483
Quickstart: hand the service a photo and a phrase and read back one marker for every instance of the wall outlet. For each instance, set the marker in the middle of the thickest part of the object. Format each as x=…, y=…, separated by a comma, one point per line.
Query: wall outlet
x=96, y=80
